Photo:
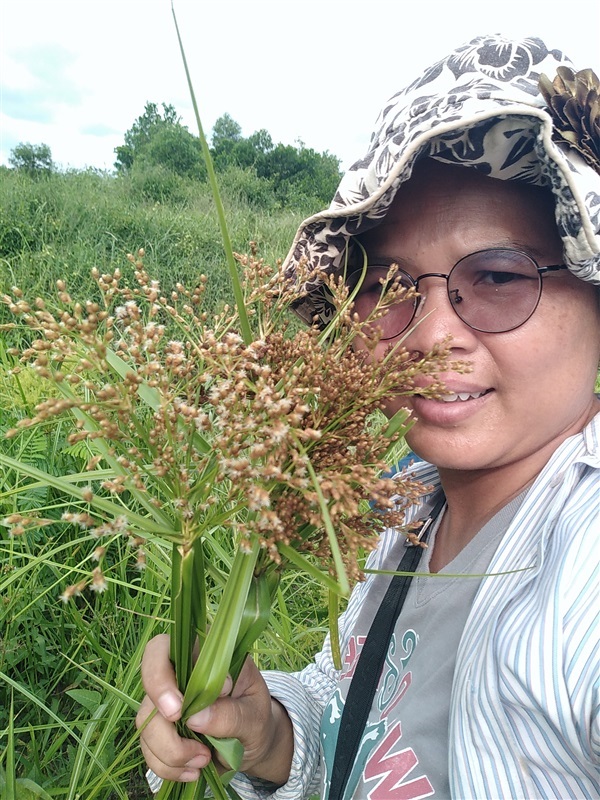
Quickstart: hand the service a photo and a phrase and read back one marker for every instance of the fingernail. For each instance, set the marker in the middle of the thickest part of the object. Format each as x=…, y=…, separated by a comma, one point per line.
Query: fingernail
x=198, y=721
x=197, y=762
x=189, y=775
x=169, y=704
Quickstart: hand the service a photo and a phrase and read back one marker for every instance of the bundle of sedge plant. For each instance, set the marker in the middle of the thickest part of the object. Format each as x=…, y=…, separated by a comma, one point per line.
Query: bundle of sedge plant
x=220, y=433
x=266, y=439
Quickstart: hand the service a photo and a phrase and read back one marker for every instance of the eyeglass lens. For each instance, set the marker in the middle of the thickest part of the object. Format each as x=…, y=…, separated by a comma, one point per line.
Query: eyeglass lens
x=491, y=291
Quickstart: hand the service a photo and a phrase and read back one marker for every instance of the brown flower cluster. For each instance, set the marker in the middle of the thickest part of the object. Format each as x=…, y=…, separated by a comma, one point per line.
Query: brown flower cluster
x=202, y=430
x=289, y=427
x=573, y=99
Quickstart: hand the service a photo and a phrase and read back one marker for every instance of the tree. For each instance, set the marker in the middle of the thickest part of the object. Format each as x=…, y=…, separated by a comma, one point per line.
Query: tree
x=140, y=134
x=175, y=148
x=225, y=130
x=159, y=139
x=296, y=174
x=226, y=137
x=159, y=145
x=34, y=159
x=261, y=141
x=300, y=174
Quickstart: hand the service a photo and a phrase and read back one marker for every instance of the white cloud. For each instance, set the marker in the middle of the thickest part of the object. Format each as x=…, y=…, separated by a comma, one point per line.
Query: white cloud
x=317, y=70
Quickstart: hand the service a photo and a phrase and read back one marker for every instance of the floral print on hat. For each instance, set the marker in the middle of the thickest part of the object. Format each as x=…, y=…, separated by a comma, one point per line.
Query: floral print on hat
x=480, y=107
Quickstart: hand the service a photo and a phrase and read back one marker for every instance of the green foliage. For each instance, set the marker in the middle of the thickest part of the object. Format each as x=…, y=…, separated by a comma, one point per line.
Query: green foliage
x=159, y=139
x=244, y=186
x=295, y=175
x=226, y=133
x=73, y=670
x=157, y=183
x=62, y=227
x=174, y=148
x=141, y=132
x=299, y=174
x=158, y=151
x=33, y=159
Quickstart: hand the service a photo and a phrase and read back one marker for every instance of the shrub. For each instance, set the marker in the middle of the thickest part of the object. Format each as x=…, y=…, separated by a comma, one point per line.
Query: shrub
x=157, y=183
x=33, y=159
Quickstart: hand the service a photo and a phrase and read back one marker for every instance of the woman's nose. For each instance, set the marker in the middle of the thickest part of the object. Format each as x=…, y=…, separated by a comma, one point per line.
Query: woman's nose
x=435, y=319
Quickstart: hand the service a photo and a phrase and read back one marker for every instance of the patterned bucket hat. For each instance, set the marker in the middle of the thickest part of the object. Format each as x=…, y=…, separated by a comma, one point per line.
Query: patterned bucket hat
x=513, y=109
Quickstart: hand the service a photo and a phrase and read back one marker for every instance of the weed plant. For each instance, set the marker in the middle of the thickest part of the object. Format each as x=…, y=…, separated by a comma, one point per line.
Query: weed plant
x=69, y=674
x=238, y=455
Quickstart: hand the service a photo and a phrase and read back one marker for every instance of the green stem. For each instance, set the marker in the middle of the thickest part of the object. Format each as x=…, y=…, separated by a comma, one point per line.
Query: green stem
x=303, y=564
x=240, y=618
x=214, y=662
x=11, y=780
x=344, y=586
x=188, y=606
x=255, y=619
x=169, y=791
x=180, y=654
x=235, y=278
x=334, y=633
x=214, y=782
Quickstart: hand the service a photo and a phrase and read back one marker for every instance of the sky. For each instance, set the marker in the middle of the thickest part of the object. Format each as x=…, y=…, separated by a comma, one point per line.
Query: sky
x=75, y=74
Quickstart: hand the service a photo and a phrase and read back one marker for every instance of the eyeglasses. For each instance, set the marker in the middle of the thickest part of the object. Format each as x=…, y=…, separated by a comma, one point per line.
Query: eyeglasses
x=492, y=291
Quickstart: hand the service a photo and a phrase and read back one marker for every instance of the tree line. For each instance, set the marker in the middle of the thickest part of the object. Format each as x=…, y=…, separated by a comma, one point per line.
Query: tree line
x=159, y=151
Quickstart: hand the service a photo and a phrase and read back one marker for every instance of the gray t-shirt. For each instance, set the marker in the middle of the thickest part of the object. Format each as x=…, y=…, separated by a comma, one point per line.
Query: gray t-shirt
x=404, y=750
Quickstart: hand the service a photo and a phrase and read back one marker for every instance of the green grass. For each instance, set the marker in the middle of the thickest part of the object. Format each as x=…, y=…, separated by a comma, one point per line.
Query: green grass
x=69, y=674
x=72, y=671
x=60, y=226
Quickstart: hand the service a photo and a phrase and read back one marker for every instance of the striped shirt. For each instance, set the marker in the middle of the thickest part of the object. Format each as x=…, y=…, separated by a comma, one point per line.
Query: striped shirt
x=525, y=704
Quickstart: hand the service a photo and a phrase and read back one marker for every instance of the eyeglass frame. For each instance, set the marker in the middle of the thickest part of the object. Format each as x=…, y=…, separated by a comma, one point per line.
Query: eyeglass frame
x=414, y=283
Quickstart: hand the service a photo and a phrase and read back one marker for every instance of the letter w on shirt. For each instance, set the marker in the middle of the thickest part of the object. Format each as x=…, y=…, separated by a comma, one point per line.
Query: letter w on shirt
x=392, y=769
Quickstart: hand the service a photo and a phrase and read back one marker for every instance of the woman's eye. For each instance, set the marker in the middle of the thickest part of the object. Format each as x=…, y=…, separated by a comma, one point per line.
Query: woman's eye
x=499, y=277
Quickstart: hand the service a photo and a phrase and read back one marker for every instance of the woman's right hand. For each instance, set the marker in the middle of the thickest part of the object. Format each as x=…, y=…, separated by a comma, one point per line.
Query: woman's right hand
x=248, y=713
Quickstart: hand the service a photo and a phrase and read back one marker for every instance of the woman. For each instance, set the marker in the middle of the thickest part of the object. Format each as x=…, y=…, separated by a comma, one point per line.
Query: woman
x=489, y=687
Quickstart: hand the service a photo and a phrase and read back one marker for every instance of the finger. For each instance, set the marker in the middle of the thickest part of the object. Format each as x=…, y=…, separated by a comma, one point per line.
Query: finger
x=242, y=715
x=158, y=678
x=166, y=753
x=248, y=680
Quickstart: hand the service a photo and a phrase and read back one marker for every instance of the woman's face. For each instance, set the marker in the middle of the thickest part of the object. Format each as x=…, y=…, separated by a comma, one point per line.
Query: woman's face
x=529, y=388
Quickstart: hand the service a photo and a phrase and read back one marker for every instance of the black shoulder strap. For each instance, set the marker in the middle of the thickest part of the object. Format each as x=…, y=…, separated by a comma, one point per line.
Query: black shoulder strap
x=370, y=663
